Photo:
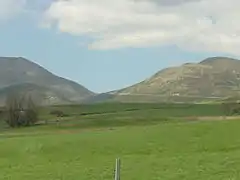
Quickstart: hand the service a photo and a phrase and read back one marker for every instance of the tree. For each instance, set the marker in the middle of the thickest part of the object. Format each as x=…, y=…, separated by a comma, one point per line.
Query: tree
x=21, y=111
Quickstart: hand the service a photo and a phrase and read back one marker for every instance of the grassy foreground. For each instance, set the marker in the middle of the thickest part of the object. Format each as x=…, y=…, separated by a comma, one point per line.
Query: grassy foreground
x=168, y=151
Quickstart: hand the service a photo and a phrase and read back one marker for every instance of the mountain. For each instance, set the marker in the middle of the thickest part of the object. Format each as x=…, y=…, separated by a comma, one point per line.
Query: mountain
x=212, y=79
x=24, y=76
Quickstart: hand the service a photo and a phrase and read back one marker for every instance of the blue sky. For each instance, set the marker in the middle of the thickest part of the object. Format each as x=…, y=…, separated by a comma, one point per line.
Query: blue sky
x=88, y=43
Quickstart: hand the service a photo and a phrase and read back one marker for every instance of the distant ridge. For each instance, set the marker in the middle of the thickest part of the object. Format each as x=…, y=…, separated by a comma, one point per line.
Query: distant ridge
x=18, y=74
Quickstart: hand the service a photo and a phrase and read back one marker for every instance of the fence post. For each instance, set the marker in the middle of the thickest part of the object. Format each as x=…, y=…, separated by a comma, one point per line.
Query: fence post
x=117, y=169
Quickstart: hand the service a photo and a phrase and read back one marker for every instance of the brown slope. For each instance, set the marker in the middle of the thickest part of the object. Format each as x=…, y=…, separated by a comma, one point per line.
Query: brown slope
x=212, y=78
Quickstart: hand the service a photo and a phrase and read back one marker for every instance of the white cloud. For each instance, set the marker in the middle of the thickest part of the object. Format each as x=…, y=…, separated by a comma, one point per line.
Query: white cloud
x=9, y=8
x=209, y=25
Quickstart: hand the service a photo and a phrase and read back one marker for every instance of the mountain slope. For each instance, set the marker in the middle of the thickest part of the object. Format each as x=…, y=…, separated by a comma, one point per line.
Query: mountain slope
x=213, y=78
x=22, y=74
x=41, y=95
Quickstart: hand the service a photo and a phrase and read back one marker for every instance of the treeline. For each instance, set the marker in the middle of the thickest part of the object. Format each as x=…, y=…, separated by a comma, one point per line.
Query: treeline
x=22, y=110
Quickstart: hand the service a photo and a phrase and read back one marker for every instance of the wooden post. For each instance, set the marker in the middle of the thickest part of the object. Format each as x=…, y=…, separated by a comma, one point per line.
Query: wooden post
x=117, y=169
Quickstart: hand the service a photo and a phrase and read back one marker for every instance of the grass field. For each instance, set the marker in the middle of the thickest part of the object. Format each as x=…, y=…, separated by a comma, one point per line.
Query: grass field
x=151, y=145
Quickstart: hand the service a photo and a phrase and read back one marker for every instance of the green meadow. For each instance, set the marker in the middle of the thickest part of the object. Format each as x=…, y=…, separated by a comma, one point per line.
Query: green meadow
x=153, y=141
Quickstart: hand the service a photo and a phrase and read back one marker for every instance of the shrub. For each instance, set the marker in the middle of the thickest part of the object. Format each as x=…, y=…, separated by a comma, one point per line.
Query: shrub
x=231, y=108
x=58, y=113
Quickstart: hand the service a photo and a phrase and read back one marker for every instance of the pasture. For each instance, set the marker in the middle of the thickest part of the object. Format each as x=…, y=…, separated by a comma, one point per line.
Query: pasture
x=153, y=141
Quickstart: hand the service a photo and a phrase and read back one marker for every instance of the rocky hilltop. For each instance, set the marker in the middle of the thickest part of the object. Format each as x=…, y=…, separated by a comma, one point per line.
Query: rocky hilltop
x=211, y=79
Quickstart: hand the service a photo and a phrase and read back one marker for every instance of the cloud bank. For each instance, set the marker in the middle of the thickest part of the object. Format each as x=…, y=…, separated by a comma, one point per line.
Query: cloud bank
x=201, y=25
x=208, y=25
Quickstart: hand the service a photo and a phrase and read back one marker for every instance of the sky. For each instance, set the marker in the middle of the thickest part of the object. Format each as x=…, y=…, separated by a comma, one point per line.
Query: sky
x=111, y=44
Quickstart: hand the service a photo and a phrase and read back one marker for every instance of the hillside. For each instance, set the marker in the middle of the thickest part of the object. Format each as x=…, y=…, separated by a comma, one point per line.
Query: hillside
x=24, y=76
x=211, y=79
